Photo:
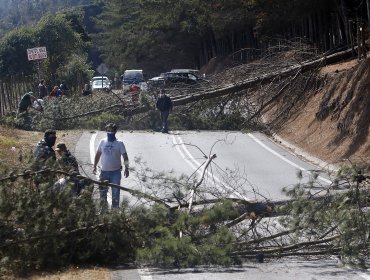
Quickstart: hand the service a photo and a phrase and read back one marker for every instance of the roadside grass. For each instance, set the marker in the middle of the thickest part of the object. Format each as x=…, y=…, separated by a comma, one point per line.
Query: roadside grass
x=15, y=146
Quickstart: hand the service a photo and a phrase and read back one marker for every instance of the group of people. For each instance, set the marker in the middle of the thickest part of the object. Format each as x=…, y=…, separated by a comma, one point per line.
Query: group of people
x=29, y=100
x=109, y=153
x=55, y=92
x=45, y=155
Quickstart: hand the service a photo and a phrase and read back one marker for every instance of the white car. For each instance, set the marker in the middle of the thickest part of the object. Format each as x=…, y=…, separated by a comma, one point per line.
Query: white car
x=99, y=78
x=100, y=85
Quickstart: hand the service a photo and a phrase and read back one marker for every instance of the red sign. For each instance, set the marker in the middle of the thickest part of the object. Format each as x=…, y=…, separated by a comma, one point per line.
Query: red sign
x=37, y=53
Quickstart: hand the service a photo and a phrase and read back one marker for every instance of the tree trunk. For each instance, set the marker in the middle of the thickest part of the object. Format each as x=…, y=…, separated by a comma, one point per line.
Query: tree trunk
x=368, y=12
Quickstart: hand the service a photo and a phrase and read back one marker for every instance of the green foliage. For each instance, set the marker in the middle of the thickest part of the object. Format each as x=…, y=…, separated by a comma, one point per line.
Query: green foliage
x=169, y=250
x=65, y=48
x=335, y=213
x=183, y=240
x=56, y=33
x=14, y=13
x=50, y=228
x=102, y=120
x=13, y=52
x=76, y=71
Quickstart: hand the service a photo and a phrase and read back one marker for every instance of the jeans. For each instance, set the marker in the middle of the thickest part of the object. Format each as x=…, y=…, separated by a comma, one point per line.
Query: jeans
x=164, y=118
x=113, y=177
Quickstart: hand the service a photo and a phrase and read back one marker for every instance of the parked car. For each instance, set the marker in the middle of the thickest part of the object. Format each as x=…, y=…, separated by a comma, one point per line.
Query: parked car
x=182, y=77
x=192, y=71
x=133, y=76
x=99, y=78
x=156, y=82
x=100, y=85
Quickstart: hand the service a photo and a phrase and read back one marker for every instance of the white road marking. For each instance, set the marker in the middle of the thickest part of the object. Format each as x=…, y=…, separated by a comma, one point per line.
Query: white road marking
x=285, y=159
x=195, y=164
x=92, y=158
x=363, y=275
x=92, y=147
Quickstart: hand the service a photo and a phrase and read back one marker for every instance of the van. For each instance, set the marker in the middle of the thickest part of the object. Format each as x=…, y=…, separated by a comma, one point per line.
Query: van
x=130, y=77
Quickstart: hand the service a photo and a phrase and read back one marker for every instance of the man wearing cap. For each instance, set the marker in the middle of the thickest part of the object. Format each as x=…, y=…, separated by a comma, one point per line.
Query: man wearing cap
x=110, y=150
x=164, y=105
x=69, y=163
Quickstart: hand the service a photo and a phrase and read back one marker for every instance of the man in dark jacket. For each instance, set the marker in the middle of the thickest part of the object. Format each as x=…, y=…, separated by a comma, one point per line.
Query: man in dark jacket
x=164, y=105
x=42, y=89
x=25, y=103
x=44, y=149
x=69, y=164
x=44, y=157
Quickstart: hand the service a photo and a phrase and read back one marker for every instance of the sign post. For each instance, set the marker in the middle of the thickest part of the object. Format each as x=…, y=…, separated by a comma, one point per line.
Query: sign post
x=37, y=54
x=102, y=69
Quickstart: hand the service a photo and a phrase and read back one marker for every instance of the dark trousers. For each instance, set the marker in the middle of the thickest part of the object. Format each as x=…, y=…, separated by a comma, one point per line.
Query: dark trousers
x=164, y=120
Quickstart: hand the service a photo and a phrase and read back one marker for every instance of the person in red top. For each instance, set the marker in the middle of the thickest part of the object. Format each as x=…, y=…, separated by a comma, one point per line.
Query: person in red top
x=56, y=92
x=134, y=89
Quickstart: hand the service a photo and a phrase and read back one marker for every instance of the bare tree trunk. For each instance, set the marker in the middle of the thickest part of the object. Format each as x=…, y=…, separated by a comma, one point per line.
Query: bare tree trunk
x=368, y=12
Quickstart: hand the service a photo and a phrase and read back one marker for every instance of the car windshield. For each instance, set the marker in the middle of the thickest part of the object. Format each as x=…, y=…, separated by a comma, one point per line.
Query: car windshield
x=100, y=82
x=133, y=76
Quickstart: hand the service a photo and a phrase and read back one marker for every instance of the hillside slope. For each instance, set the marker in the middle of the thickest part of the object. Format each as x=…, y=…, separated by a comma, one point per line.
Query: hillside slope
x=332, y=121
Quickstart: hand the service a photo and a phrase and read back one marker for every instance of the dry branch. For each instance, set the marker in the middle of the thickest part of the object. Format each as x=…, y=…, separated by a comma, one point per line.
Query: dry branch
x=283, y=249
x=105, y=183
x=233, y=88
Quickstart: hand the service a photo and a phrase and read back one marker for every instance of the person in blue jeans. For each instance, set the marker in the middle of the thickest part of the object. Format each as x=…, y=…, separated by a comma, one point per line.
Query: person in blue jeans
x=164, y=105
x=109, y=151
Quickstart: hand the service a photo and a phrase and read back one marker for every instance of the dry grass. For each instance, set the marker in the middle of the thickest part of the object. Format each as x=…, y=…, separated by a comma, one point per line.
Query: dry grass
x=13, y=142
x=16, y=146
x=76, y=273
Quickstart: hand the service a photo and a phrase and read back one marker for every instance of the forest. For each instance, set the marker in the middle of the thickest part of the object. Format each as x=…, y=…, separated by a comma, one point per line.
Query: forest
x=157, y=35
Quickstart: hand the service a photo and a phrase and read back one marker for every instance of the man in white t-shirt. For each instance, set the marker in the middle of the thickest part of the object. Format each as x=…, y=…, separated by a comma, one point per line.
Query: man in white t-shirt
x=110, y=150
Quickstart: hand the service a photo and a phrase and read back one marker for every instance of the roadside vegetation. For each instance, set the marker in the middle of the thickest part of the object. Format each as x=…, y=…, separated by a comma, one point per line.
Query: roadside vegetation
x=185, y=221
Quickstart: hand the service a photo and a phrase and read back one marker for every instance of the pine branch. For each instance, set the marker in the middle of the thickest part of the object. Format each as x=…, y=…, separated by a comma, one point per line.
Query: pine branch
x=61, y=232
x=29, y=173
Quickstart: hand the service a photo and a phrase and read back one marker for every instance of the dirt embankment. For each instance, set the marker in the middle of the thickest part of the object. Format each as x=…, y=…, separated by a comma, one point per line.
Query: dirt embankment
x=332, y=120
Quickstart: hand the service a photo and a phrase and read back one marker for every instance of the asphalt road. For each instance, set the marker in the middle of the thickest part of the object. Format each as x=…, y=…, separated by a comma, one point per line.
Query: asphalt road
x=264, y=167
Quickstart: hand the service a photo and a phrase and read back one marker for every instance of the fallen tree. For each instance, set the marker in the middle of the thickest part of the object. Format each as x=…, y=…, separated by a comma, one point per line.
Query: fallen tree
x=178, y=221
x=125, y=106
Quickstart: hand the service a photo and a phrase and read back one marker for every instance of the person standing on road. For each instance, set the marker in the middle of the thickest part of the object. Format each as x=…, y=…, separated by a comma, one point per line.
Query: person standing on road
x=110, y=150
x=164, y=105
